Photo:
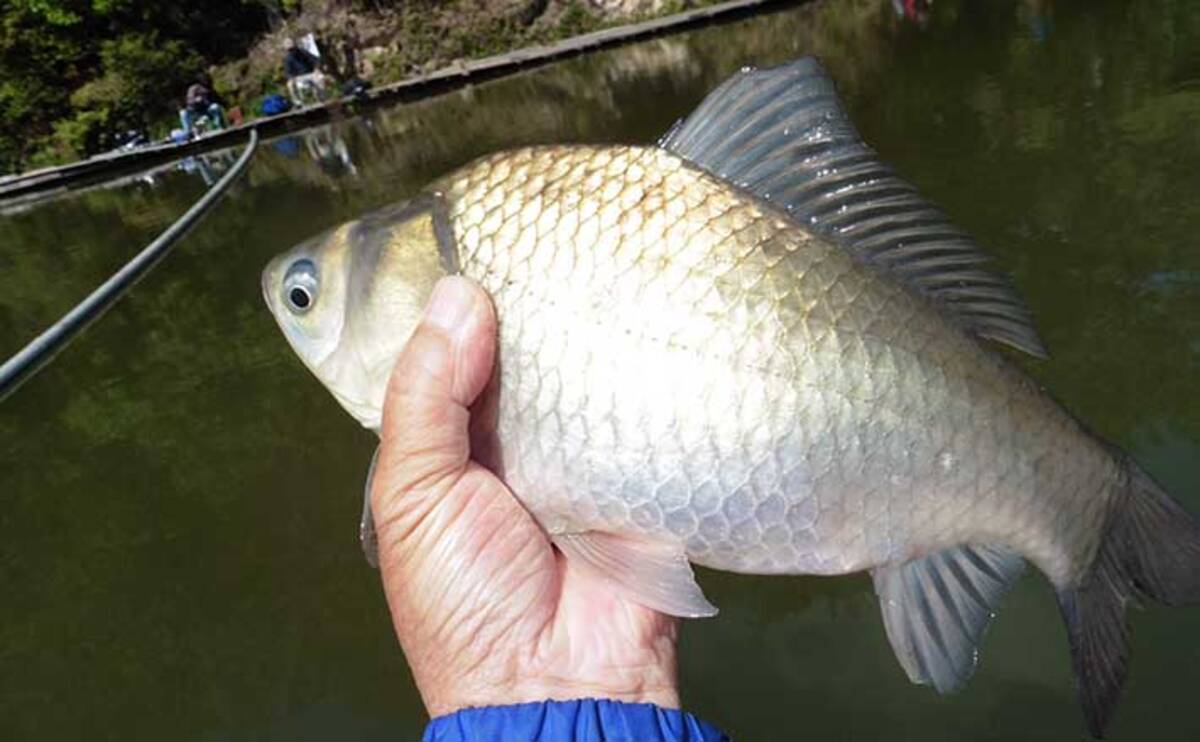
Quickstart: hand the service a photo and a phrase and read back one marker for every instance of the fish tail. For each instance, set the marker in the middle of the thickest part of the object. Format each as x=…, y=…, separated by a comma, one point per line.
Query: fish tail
x=1150, y=551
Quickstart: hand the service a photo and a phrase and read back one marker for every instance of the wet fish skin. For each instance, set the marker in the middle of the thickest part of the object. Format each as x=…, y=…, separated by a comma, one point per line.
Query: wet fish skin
x=682, y=363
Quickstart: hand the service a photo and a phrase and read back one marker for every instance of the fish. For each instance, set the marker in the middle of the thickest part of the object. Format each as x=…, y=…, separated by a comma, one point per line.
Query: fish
x=754, y=347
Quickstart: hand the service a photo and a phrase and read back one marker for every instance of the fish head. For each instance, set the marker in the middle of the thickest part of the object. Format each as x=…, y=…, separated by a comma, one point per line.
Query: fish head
x=348, y=300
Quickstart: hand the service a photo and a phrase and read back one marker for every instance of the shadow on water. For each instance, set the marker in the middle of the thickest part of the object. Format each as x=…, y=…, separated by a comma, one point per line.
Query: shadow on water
x=180, y=498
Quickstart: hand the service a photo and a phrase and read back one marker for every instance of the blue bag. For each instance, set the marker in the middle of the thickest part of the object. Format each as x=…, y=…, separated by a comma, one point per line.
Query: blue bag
x=274, y=104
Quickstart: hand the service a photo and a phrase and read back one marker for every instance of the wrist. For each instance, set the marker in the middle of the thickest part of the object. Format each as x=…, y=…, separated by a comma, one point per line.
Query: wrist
x=441, y=701
x=652, y=686
x=653, y=681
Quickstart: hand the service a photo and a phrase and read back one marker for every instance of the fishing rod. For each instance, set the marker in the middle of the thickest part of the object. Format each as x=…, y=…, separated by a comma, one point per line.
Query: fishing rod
x=30, y=359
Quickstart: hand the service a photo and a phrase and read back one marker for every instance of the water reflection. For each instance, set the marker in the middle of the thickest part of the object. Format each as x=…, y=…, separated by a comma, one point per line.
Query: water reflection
x=324, y=146
x=208, y=166
x=177, y=541
x=1038, y=17
x=915, y=11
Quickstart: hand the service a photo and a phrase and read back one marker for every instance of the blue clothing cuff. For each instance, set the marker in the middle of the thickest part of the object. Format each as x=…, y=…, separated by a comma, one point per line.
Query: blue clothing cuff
x=584, y=720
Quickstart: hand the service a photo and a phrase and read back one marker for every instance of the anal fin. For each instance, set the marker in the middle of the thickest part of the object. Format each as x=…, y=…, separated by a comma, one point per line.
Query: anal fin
x=937, y=608
x=654, y=574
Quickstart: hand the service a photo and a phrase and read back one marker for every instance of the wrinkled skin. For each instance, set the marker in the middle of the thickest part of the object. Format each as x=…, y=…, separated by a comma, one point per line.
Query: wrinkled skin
x=486, y=611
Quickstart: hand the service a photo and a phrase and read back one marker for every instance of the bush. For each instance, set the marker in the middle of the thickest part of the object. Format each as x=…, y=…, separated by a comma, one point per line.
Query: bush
x=144, y=80
x=75, y=136
x=71, y=71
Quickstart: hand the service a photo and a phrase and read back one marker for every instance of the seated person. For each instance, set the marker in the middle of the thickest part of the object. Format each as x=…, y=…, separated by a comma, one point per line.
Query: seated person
x=305, y=81
x=201, y=103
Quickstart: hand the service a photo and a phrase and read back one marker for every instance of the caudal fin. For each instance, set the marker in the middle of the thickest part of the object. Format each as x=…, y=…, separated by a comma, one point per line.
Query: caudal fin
x=1151, y=551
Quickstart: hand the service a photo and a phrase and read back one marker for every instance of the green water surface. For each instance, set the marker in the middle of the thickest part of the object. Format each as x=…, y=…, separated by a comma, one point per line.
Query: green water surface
x=179, y=498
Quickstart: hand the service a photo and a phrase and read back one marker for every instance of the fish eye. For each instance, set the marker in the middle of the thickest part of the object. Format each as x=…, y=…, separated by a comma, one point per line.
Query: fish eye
x=300, y=286
x=299, y=298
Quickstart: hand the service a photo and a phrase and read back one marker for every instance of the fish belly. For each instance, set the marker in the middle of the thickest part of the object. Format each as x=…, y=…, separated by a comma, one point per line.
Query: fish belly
x=681, y=362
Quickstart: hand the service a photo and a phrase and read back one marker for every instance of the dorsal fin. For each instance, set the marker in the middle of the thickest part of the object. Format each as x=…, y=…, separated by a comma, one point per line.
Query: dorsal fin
x=781, y=134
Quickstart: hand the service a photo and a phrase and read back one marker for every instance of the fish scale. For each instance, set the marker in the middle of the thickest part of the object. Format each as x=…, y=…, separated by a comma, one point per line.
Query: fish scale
x=759, y=264
x=755, y=348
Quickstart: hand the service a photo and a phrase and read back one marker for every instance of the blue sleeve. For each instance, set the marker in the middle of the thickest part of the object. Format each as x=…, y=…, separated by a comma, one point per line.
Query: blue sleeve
x=585, y=720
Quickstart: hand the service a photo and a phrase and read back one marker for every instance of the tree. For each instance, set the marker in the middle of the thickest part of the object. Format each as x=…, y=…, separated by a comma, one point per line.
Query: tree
x=72, y=70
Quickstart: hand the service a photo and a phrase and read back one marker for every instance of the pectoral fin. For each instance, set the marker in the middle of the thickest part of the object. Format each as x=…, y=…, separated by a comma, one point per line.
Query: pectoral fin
x=936, y=609
x=366, y=525
x=656, y=575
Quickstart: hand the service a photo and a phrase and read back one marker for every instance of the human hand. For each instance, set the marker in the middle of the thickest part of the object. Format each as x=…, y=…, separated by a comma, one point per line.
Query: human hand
x=487, y=612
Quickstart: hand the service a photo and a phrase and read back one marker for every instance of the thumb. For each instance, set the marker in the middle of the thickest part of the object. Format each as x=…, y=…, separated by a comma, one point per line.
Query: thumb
x=445, y=365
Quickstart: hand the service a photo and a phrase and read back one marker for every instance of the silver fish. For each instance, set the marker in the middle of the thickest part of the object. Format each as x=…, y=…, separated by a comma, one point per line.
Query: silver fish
x=755, y=348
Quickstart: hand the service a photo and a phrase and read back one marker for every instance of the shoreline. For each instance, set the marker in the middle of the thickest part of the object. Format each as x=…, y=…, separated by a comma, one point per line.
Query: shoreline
x=447, y=79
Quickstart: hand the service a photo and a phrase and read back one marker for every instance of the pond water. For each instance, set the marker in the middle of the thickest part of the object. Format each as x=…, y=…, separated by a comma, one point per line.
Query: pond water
x=179, y=498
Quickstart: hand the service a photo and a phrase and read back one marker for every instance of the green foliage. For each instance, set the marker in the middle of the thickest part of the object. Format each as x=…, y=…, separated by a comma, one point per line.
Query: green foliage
x=72, y=135
x=73, y=70
x=55, y=13
x=138, y=71
x=575, y=20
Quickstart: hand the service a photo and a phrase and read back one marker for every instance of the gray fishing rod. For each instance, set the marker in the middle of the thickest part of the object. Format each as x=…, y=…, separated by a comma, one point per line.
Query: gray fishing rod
x=44, y=347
